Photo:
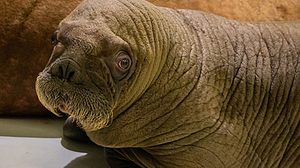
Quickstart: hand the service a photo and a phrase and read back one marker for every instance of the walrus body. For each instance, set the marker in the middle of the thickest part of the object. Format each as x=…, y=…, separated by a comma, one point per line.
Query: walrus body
x=177, y=88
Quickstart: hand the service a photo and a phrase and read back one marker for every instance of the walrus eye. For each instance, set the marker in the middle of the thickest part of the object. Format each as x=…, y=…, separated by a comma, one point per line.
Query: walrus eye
x=119, y=65
x=54, y=39
x=123, y=62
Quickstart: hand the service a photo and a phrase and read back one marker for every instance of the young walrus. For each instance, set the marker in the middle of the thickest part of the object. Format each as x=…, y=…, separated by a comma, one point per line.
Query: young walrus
x=177, y=88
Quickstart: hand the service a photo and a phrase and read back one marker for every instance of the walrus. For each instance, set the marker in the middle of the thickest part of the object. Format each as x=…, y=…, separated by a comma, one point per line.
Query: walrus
x=161, y=87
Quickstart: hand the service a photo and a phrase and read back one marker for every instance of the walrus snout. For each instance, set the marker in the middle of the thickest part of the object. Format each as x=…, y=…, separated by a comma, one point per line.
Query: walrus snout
x=65, y=70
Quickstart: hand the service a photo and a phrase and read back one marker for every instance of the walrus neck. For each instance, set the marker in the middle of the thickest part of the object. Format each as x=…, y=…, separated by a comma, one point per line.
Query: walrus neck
x=182, y=69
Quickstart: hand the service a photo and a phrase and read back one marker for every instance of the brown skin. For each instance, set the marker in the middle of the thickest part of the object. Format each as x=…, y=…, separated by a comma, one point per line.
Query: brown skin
x=200, y=91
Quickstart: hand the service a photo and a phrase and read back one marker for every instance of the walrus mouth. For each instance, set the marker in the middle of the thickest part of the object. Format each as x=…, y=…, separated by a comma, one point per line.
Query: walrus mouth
x=60, y=112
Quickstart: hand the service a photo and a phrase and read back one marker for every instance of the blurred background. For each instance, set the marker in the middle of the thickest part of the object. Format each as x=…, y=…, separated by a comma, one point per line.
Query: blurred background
x=26, y=27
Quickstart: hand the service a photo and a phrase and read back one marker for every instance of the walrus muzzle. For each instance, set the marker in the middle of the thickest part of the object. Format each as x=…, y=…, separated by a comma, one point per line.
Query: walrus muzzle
x=65, y=87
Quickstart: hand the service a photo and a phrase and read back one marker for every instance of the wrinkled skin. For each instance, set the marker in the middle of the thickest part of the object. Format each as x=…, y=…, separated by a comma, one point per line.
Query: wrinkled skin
x=202, y=91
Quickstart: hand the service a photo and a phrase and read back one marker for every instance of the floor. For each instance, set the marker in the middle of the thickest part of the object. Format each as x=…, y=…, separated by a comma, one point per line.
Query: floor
x=37, y=143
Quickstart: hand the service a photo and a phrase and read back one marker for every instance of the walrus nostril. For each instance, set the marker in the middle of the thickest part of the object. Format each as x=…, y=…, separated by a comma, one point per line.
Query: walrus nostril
x=71, y=74
x=63, y=70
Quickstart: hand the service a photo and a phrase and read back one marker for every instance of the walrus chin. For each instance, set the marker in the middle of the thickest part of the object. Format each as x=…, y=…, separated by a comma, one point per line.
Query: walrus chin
x=87, y=120
x=87, y=105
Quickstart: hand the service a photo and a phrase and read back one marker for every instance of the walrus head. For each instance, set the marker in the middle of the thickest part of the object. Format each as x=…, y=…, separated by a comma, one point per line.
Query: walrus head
x=104, y=59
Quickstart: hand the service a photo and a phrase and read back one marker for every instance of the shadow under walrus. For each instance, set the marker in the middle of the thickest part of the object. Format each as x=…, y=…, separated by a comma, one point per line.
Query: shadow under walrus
x=75, y=139
x=94, y=157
